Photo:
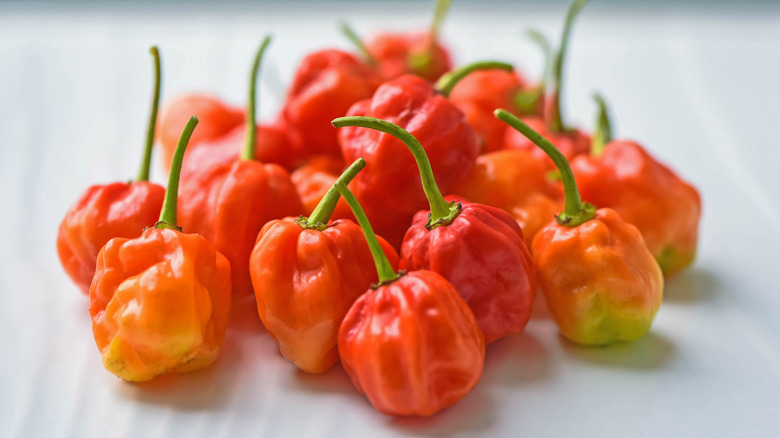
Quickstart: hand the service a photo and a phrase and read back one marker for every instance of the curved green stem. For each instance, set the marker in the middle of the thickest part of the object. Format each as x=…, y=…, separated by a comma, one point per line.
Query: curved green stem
x=556, y=119
x=527, y=100
x=384, y=269
x=447, y=82
x=442, y=212
x=143, y=172
x=321, y=215
x=575, y=211
x=421, y=62
x=544, y=45
x=249, y=148
x=603, y=133
x=358, y=43
x=168, y=213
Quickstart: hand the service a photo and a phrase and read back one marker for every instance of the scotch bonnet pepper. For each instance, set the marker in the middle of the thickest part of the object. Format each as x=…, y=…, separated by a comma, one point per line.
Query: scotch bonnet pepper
x=477, y=248
x=622, y=175
x=110, y=210
x=600, y=282
x=160, y=302
x=390, y=190
x=306, y=274
x=229, y=202
x=410, y=343
x=314, y=180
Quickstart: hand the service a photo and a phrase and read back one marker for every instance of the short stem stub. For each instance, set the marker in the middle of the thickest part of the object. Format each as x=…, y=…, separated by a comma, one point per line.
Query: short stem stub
x=554, y=114
x=447, y=82
x=143, y=172
x=168, y=213
x=384, y=269
x=575, y=211
x=248, y=153
x=603, y=133
x=321, y=215
x=442, y=212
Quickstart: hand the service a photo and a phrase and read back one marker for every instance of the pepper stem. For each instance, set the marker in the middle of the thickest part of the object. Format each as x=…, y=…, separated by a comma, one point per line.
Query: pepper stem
x=527, y=100
x=555, y=117
x=575, y=211
x=249, y=148
x=384, y=269
x=421, y=62
x=603, y=133
x=143, y=172
x=321, y=215
x=168, y=213
x=358, y=43
x=442, y=212
x=447, y=82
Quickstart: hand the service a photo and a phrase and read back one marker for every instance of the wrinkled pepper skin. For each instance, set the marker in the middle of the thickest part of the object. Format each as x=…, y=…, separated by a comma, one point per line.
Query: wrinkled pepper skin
x=390, y=189
x=395, y=54
x=228, y=204
x=571, y=143
x=102, y=213
x=481, y=253
x=159, y=303
x=480, y=93
x=216, y=120
x=517, y=182
x=305, y=281
x=312, y=181
x=412, y=346
x=648, y=195
x=600, y=282
x=325, y=85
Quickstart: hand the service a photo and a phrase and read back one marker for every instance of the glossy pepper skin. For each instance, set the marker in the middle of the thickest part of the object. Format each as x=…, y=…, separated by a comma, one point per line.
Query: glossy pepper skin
x=517, y=182
x=396, y=55
x=482, y=253
x=312, y=181
x=102, y=213
x=571, y=143
x=305, y=281
x=390, y=189
x=646, y=194
x=105, y=211
x=410, y=343
x=159, y=303
x=600, y=282
x=325, y=85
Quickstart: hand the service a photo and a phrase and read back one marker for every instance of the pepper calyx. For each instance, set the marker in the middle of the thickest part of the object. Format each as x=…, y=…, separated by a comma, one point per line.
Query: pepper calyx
x=454, y=210
x=398, y=275
x=163, y=224
x=587, y=213
x=304, y=223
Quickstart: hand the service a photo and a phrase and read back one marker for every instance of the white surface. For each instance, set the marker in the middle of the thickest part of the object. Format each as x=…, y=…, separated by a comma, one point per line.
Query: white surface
x=700, y=90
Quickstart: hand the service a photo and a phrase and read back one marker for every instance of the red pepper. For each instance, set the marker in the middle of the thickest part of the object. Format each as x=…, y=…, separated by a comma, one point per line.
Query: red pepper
x=110, y=210
x=306, y=274
x=410, y=343
x=600, y=281
x=477, y=248
x=571, y=142
x=390, y=190
x=314, y=179
x=228, y=203
x=160, y=302
x=326, y=84
x=623, y=176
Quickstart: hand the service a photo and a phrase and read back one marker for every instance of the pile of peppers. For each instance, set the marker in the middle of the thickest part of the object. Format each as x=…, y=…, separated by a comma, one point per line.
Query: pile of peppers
x=398, y=216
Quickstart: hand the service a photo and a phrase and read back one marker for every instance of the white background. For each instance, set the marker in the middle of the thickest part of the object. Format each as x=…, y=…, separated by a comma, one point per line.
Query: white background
x=698, y=85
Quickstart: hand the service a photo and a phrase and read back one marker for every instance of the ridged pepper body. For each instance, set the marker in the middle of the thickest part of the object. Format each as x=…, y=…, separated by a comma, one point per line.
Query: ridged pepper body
x=482, y=254
x=102, y=213
x=648, y=195
x=305, y=281
x=228, y=204
x=395, y=54
x=600, y=282
x=390, y=189
x=412, y=346
x=159, y=303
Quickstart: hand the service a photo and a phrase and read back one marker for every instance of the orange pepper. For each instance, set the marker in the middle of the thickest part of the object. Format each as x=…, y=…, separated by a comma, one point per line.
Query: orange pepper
x=410, y=343
x=160, y=302
x=599, y=279
x=306, y=274
x=314, y=179
x=666, y=209
x=105, y=211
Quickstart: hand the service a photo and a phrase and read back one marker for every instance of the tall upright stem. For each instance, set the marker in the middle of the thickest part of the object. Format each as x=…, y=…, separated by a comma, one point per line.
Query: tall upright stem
x=143, y=172
x=168, y=217
x=556, y=118
x=249, y=147
x=358, y=43
x=603, y=133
